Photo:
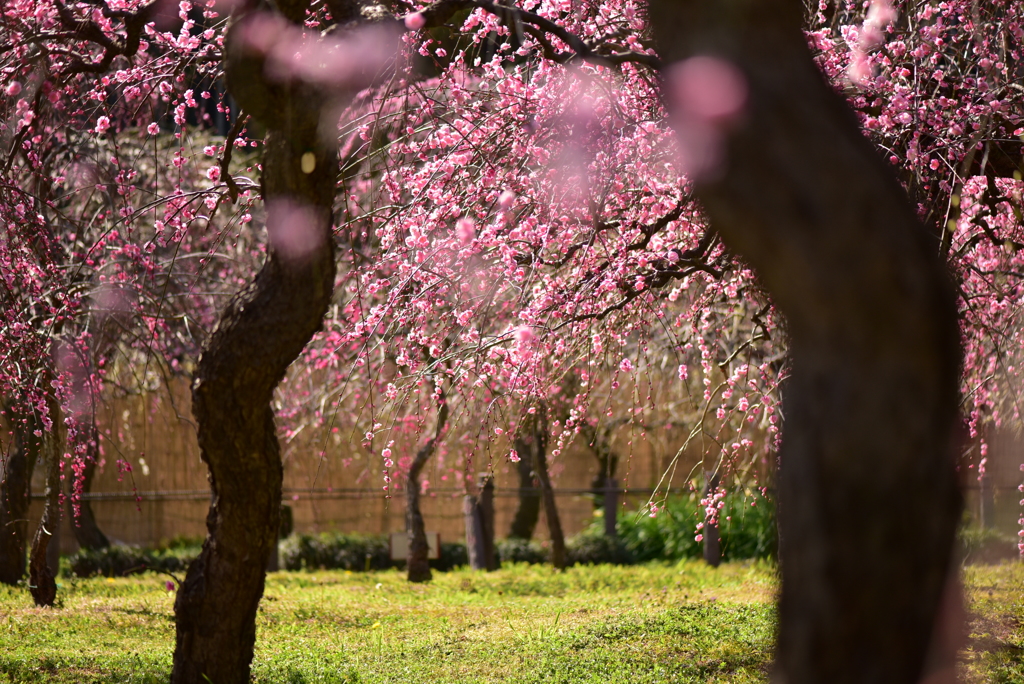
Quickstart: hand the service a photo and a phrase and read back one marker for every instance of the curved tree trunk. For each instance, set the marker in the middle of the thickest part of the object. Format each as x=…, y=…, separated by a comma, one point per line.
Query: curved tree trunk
x=540, y=441
x=83, y=521
x=418, y=565
x=15, y=495
x=42, y=583
x=868, y=498
x=262, y=330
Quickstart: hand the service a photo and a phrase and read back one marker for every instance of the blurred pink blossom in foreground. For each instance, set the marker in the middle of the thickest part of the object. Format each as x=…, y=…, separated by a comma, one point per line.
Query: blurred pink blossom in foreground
x=295, y=230
x=706, y=95
x=345, y=60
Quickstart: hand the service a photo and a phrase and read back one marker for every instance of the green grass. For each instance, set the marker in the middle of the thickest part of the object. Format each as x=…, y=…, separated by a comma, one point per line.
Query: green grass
x=647, y=623
x=653, y=623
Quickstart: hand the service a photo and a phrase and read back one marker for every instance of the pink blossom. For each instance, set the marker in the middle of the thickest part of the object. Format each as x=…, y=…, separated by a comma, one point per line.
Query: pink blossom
x=707, y=95
x=102, y=125
x=465, y=229
x=13, y=89
x=513, y=456
x=708, y=88
x=169, y=585
x=415, y=21
x=505, y=199
x=153, y=128
x=524, y=335
x=296, y=231
x=213, y=173
x=626, y=366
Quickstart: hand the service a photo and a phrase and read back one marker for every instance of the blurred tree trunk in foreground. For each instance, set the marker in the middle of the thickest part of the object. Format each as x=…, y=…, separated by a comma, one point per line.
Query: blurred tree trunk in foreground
x=868, y=499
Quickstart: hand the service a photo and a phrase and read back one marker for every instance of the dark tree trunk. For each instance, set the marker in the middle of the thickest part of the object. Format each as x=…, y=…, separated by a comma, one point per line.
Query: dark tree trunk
x=262, y=330
x=611, y=507
x=528, y=510
x=83, y=522
x=418, y=564
x=540, y=440
x=868, y=498
x=474, y=532
x=15, y=495
x=599, y=439
x=41, y=576
x=485, y=502
x=712, y=541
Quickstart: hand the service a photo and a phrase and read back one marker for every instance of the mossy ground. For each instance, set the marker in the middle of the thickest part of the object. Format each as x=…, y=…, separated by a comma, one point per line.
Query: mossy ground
x=658, y=623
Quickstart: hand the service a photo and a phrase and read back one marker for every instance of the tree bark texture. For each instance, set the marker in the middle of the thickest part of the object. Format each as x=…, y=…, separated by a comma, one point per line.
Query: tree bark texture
x=262, y=330
x=15, y=494
x=524, y=522
x=418, y=563
x=41, y=577
x=868, y=497
x=83, y=521
x=540, y=439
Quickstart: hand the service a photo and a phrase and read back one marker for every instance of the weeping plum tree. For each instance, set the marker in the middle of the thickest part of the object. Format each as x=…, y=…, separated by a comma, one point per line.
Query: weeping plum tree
x=521, y=205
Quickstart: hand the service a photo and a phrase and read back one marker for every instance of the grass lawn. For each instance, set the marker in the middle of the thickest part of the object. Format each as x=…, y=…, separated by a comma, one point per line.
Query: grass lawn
x=654, y=623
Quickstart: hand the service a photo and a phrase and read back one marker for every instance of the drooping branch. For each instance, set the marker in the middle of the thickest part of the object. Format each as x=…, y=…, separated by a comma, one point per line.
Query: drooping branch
x=439, y=13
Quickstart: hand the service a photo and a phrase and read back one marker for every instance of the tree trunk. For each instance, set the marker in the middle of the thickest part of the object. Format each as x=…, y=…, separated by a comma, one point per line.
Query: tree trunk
x=83, y=522
x=418, y=564
x=15, y=495
x=41, y=577
x=868, y=498
x=485, y=485
x=474, y=533
x=528, y=510
x=611, y=507
x=540, y=440
x=262, y=330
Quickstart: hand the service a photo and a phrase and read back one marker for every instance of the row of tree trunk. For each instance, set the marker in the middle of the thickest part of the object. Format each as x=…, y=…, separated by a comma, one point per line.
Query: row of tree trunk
x=25, y=451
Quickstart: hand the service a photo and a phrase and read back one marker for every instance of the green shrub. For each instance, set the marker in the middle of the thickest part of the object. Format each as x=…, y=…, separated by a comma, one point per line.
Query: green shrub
x=120, y=560
x=986, y=545
x=453, y=555
x=746, y=531
x=515, y=550
x=340, y=551
x=592, y=547
x=335, y=551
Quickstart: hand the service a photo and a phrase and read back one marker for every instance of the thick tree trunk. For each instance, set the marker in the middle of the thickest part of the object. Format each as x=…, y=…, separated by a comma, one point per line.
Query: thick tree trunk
x=540, y=440
x=524, y=522
x=869, y=502
x=41, y=576
x=262, y=330
x=83, y=522
x=418, y=564
x=15, y=495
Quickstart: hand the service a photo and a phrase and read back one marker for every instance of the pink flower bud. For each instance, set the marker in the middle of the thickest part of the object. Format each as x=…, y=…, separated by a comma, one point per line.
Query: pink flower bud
x=13, y=89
